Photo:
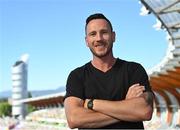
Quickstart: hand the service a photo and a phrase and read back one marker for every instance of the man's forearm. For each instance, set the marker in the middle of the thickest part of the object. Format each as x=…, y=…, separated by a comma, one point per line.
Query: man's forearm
x=80, y=117
x=84, y=118
x=135, y=109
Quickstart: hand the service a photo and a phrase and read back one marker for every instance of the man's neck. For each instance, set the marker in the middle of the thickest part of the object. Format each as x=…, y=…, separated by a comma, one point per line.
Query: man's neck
x=103, y=64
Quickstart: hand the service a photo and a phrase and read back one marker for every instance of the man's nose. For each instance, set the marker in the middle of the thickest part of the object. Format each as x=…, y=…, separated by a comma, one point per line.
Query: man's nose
x=99, y=37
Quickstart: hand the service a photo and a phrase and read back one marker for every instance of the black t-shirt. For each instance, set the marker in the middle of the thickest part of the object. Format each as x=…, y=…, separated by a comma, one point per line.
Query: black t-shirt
x=87, y=82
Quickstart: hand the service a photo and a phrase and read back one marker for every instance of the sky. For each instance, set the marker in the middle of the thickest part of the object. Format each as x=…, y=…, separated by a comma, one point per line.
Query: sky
x=52, y=33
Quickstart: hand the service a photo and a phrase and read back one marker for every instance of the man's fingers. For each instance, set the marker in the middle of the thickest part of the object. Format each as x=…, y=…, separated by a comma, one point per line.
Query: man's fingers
x=140, y=91
x=139, y=94
x=134, y=85
x=135, y=91
x=139, y=88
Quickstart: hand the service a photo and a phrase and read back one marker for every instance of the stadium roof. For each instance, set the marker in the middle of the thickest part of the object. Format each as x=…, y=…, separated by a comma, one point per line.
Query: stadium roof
x=47, y=100
x=165, y=76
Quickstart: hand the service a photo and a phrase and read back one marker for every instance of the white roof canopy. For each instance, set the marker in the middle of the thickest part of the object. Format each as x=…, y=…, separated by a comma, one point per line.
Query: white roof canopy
x=167, y=13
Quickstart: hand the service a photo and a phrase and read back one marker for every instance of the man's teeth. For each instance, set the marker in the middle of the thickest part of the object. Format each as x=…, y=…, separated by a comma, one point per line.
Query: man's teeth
x=99, y=45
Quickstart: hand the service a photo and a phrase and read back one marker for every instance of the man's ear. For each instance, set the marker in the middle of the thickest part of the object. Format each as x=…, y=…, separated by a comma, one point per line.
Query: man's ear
x=86, y=41
x=114, y=36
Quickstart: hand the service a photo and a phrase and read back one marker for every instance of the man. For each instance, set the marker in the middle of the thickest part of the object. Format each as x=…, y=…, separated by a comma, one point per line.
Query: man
x=107, y=92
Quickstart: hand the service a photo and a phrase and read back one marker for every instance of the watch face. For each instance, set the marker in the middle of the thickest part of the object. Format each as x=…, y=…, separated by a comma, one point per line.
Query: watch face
x=90, y=104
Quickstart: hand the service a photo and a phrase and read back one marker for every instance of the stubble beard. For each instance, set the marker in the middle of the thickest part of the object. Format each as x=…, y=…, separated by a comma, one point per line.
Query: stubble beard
x=109, y=50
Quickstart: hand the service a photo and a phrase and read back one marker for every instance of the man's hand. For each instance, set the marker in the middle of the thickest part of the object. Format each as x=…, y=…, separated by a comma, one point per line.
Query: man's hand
x=85, y=103
x=136, y=90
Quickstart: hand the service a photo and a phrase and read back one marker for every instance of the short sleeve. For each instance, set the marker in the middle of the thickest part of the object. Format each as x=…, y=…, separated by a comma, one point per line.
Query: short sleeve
x=139, y=75
x=74, y=85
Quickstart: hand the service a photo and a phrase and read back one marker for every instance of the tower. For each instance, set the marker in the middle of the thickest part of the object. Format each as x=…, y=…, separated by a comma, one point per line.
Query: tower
x=19, y=84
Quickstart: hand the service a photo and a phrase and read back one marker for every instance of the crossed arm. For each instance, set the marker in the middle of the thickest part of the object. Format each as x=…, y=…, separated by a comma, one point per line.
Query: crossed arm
x=136, y=107
x=80, y=117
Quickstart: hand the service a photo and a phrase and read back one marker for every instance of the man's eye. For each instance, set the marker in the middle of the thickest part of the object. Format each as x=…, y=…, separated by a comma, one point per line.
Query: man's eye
x=92, y=34
x=104, y=32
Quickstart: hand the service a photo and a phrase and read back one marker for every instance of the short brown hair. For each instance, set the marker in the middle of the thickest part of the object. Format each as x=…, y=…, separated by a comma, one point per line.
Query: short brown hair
x=98, y=16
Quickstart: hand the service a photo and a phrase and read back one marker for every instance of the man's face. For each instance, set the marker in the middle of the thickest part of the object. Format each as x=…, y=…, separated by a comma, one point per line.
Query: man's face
x=99, y=37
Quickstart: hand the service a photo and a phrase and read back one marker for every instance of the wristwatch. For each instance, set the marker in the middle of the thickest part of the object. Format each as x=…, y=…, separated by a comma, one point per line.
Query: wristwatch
x=90, y=104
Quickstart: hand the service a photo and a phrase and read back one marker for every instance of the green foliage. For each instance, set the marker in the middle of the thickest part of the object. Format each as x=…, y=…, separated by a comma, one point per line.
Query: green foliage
x=3, y=100
x=5, y=109
x=29, y=94
x=31, y=108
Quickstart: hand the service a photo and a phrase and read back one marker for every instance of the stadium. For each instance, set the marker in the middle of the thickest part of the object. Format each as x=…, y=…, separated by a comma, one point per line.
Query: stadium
x=164, y=79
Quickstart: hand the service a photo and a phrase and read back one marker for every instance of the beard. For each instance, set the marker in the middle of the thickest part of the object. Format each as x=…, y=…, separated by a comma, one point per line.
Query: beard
x=104, y=53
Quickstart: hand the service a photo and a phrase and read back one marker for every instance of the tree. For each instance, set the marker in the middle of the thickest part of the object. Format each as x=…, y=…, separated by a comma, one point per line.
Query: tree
x=5, y=109
x=30, y=107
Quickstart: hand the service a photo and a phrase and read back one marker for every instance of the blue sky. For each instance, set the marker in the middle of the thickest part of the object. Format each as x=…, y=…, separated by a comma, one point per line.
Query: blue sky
x=52, y=33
